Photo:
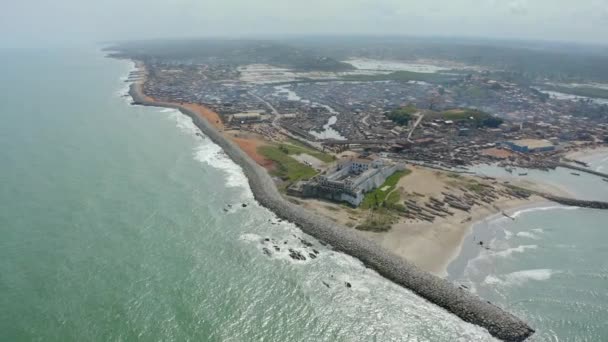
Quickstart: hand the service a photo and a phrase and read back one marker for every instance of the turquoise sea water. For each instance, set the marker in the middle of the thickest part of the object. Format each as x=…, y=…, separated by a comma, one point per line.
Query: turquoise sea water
x=112, y=228
x=548, y=266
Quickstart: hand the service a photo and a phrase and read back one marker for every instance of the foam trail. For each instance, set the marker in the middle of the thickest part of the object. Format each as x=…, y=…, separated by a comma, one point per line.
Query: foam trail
x=530, y=210
x=510, y=251
x=527, y=235
x=520, y=277
x=209, y=153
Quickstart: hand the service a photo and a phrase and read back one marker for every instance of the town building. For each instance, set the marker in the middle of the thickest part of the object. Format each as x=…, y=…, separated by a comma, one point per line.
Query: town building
x=348, y=181
x=530, y=145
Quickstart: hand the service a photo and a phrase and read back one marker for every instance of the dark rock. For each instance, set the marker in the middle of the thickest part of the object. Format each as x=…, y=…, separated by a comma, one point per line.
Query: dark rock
x=312, y=255
x=266, y=251
x=315, y=251
x=326, y=284
x=348, y=285
x=277, y=248
x=306, y=243
x=296, y=255
x=244, y=205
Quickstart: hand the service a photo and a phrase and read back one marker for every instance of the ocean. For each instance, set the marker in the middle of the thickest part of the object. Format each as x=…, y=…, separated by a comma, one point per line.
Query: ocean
x=548, y=266
x=123, y=223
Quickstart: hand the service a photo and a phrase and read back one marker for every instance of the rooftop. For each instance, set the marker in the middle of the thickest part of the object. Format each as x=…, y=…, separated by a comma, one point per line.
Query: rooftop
x=532, y=143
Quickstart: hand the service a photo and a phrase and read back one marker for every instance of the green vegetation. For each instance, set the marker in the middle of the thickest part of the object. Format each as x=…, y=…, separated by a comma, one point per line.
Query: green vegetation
x=296, y=147
x=378, y=198
x=402, y=115
x=404, y=76
x=380, y=220
x=475, y=186
x=287, y=168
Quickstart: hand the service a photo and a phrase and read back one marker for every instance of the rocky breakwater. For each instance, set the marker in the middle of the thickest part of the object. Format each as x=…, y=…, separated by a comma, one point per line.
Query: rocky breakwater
x=575, y=202
x=458, y=301
x=582, y=169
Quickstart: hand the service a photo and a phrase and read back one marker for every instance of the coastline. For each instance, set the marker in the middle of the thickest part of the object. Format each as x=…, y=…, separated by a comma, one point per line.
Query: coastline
x=467, y=306
x=434, y=246
x=587, y=153
x=477, y=231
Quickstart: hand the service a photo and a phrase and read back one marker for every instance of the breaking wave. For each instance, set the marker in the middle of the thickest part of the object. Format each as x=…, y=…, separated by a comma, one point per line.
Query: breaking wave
x=520, y=277
x=527, y=235
x=209, y=153
x=510, y=251
x=531, y=210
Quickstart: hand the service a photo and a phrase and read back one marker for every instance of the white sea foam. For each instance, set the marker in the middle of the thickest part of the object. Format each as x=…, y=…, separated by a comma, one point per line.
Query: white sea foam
x=510, y=251
x=530, y=210
x=183, y=122
x=538, y=230
x=250, y=237
x=527, y=235
x=519, y=278
x=508, y=234
x=211, y=154
x=123, y=92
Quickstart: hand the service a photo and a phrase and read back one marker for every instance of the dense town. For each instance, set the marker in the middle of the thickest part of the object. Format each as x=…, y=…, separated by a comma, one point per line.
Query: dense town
x=335, y=113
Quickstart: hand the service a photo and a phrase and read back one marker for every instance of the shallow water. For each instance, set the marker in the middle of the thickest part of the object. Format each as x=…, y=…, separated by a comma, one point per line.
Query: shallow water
x=548, y=265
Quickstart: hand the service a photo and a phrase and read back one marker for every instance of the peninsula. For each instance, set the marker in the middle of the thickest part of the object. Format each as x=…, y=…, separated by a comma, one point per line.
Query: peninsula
x=373, y=156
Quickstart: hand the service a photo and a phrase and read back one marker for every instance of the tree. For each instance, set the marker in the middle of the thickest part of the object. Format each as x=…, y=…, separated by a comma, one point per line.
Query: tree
x=492, y=122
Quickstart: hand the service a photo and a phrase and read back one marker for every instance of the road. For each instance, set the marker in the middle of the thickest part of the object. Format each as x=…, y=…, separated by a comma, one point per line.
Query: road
x=420, y=117
x=275, y=123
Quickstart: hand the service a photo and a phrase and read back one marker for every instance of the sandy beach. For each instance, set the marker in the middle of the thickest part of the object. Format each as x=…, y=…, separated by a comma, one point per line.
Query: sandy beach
x=433, y=245
x=584, y=153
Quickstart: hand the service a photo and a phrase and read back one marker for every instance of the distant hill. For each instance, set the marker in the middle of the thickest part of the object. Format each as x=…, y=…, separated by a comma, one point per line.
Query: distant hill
x=234, y=52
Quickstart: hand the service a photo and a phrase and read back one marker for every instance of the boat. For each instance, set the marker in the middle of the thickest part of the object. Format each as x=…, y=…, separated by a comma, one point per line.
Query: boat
x=574, y=173
x=605, y=180
x=523, y=174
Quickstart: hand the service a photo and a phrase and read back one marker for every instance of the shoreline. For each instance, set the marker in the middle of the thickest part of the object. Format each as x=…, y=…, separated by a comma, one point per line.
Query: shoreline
x=460, y=260
x=434, y=246
x=441, y=292
x=586, y=153
x=478, y=231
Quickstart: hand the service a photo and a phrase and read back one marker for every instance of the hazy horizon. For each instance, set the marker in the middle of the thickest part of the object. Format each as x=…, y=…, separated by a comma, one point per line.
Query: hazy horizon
x=33, y=22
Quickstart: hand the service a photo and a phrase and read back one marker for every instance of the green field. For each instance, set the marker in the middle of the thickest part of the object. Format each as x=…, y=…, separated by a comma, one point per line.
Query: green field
x=378, y=198
x=295, y=147
x=287, y=168
x=379, y=220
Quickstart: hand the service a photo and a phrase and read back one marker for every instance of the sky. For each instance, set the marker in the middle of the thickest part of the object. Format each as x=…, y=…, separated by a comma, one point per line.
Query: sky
x=24, y=22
